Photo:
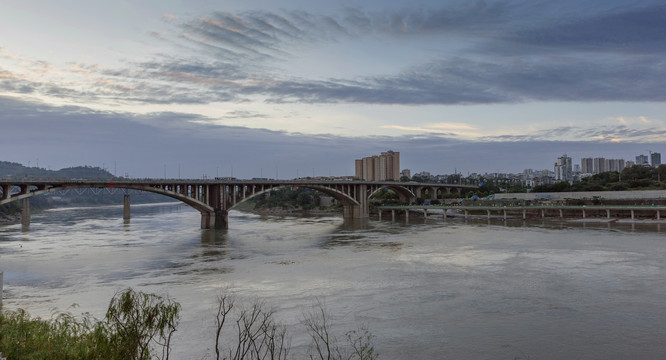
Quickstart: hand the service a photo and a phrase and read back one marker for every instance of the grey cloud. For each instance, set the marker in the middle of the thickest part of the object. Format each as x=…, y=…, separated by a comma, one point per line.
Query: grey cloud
x=597, y=135
x=625, y=29
x=243, y=115
x=471, y=77
x=524, y=51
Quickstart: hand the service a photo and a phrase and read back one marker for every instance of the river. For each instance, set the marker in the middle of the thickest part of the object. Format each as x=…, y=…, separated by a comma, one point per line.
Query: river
x=427, y=289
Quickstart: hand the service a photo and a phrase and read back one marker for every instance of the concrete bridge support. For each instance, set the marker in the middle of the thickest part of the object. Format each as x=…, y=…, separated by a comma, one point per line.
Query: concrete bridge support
x=5, y=191
x=126, y=207
x=360, y=211
x=25, y=215
x=219, y=219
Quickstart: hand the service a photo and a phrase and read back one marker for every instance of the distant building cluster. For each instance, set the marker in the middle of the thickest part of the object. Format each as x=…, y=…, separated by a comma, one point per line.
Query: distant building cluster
x=385, y=166
x=591, y=166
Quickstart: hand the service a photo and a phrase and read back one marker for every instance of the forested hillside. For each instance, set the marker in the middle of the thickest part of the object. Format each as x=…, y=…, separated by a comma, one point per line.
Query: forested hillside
x=16, y=170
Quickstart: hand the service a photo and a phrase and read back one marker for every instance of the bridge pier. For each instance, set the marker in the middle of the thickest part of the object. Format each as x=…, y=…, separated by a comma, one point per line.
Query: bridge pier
x=126, y=207
x=221, y=219
x=25, y=215
x=360, y=210
x=215, y=220
x=6, y=188
x=205, y=220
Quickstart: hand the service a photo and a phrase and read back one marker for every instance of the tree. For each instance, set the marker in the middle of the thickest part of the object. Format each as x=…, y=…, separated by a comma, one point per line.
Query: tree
x=325, y=345
x=135, y=324
x=138, y=321
x=256, y=335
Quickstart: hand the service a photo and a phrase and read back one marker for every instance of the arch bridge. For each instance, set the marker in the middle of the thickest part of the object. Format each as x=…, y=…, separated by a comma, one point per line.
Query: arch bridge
x=214, y=198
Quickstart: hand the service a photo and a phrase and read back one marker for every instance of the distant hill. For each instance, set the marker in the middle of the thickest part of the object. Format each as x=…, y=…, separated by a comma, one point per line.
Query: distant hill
x=16, y=170
x=10, y=170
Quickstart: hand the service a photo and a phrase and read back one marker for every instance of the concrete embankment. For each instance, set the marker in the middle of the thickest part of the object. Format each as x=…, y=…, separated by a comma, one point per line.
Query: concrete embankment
x=615, y=195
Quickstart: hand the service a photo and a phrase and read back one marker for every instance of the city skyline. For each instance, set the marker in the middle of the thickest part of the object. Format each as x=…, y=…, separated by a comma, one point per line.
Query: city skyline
x=298, y=88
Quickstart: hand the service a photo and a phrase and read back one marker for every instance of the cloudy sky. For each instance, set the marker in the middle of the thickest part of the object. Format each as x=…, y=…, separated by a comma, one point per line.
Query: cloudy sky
x=300, y=87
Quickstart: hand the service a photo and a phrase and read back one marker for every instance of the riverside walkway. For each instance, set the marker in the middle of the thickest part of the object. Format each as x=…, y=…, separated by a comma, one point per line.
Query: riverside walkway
x=519, y=211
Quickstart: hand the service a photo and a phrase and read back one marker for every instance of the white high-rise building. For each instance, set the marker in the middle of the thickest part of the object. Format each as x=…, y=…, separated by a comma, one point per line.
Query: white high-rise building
x=563, y=169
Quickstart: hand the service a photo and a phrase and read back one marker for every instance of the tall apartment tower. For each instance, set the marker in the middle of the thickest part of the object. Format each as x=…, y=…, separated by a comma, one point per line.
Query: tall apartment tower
x=563, y=168
x=599, y=165
x=642, y=160
x=379, y=168
x=655, y=159
x=614, y=165
x=587, y=166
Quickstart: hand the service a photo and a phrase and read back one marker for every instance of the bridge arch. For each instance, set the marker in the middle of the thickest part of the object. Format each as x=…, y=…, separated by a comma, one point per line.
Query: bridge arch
x=404, y=194
x=336, y=194
x=194, y=203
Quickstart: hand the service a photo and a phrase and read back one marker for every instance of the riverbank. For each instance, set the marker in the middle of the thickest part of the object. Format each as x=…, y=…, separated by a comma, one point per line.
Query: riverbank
x=290, y=212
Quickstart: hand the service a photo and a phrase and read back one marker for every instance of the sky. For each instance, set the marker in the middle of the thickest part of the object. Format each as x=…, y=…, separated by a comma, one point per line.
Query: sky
x=299, y=88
